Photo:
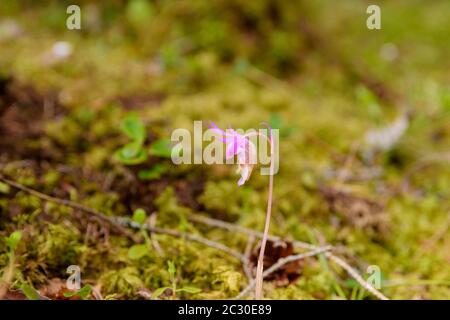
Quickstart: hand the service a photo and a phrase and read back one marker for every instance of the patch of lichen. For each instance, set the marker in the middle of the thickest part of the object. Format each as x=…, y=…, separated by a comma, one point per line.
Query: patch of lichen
x=236, y=63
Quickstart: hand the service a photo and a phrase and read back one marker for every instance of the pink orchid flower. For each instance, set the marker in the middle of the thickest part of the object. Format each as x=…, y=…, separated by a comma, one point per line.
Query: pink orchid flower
x=245, y=150
x=240, y=146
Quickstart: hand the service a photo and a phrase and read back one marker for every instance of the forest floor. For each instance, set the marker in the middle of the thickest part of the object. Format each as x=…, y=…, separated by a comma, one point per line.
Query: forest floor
x=139, y=226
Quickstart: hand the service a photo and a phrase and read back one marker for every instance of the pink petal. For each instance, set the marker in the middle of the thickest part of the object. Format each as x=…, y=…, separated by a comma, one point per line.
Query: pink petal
x=231, y=150
x=245, y=172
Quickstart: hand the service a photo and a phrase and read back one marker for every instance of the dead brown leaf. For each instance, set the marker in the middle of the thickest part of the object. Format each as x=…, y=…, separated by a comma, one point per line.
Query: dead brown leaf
x=287, y=274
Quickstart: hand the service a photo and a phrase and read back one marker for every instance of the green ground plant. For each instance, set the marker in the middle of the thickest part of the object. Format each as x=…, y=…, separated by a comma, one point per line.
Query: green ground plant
x=93, y=129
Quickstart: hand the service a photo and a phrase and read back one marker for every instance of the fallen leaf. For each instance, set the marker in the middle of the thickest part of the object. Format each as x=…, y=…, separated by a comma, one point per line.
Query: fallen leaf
x=288, y=273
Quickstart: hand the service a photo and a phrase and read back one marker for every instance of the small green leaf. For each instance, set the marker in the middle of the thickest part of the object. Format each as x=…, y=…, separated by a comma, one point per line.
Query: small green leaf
x=130, y=156
x=161, y=148
x=83, y=293
x=132, y=279
x=4, y=188
x=351, y=283
x=137, y=251
x=159, y=292
x=13, y=240
x=131, y=150
x=134, y=128
x=190, y=290
x=154, y=172
x=30, y=292
x=171, y=268
x=139, y=216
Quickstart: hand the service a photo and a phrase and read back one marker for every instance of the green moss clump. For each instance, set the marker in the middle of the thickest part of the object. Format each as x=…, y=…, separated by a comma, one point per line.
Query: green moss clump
x=124, y=282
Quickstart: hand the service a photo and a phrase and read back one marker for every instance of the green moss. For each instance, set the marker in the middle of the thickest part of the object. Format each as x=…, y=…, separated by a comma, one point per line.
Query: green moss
x=124, y=281
x=59, y=247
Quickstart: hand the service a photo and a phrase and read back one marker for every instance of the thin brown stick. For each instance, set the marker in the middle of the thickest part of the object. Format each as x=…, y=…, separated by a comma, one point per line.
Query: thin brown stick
x=352, y=272
x=280, y=263
x=298, y=244
x=122, y=223
x=208, y=221
x=240, y=229
x=216, y=245
x=71, y=204
x=152, y=223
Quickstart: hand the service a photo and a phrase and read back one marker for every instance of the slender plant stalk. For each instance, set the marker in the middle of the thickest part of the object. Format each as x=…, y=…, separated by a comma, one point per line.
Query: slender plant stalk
x=260, y=266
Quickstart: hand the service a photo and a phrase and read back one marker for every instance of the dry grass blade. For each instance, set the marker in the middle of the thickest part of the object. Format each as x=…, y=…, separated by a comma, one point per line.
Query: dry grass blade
x=122, y=223
x=183, y=235
x=70, y=204
x=298, y=244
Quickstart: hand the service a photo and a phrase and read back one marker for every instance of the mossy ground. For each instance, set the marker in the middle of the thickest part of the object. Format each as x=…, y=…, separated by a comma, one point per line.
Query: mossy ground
x=306, y=67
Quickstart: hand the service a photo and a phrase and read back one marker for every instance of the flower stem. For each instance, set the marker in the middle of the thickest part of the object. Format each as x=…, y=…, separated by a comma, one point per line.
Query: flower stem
x=260, y=266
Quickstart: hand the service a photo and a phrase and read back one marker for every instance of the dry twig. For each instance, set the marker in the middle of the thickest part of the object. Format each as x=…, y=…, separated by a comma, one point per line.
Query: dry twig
x=249, y=232
x=122, y=222
x=152, y=223
x=71, y=204
x=298, y=244
x=191, y=237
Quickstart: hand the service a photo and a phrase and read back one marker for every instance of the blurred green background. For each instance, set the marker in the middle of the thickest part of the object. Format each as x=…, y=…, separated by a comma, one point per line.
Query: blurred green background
x=310, y=68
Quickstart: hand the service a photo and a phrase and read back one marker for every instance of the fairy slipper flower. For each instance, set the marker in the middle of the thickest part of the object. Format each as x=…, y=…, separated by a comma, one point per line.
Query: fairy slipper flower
x=240, y=146
x=245, y=150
